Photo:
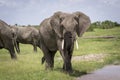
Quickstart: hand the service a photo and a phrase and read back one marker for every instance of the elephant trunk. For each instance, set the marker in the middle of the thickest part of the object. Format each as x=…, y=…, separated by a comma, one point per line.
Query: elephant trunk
x=14, y=37
x=15, y=45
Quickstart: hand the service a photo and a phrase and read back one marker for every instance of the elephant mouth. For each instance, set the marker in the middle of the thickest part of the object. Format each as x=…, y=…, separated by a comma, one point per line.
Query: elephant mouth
x=68, y=40
x=68, y=35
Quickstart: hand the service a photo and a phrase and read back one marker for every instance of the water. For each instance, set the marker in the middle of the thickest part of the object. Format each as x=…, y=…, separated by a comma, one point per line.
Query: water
x=111, y=72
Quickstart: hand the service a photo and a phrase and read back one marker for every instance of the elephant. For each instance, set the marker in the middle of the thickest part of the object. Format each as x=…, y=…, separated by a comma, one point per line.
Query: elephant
x=26, y=35
x=7, y=39
x=59, y=32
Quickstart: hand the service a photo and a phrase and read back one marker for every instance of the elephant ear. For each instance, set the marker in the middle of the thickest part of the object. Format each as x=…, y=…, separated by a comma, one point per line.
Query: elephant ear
x=55, y=23
x=83, y=23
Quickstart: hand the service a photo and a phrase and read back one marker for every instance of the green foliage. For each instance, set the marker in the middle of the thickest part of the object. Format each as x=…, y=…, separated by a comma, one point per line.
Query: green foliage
x=28, y=65
x=107, y=24
x=116, y=24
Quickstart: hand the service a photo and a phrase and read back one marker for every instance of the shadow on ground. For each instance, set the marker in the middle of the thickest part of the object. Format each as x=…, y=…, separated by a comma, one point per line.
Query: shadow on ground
x=74, y=73
x=77, y=73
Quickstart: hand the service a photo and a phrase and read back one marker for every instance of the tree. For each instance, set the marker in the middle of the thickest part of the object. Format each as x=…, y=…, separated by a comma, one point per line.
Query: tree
x=107, y=24
x=116, y=24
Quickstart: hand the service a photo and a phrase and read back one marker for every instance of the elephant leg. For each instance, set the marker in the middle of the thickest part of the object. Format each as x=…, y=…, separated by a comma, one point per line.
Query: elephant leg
x=12, y=53
x=42, y=60
x=34, y=45
x=52, y=55
x=35, y=48
x=1, y=44
x=48, y=57
x=10, y=48
x=18, y=47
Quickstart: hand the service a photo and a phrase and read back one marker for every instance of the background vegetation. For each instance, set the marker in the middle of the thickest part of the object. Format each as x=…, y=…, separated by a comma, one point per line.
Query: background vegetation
x=103, y=40
x=107, y=24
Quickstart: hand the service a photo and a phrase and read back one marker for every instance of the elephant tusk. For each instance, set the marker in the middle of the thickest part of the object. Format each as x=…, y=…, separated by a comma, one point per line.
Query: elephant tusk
x=76, y=44
x=62, y=44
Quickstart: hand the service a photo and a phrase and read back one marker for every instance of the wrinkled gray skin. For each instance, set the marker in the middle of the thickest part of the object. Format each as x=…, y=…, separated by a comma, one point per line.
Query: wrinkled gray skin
x=26, y=35
x=61, y=26
x=7, y=39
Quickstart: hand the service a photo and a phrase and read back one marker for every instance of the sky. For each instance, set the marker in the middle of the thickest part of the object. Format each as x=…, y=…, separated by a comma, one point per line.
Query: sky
x=33, y=12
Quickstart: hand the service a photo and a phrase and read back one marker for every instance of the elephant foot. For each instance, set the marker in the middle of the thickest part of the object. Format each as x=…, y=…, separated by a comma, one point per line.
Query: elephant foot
x=67, y=71
x=67, y=68
x=35, y=51
x=13, y=57
x=48, y=66
x=43, y=60
x=18, y=52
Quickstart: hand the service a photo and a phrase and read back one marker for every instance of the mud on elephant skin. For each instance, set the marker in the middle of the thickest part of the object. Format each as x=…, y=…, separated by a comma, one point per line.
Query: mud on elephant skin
x=7, y=39
x=59, y=32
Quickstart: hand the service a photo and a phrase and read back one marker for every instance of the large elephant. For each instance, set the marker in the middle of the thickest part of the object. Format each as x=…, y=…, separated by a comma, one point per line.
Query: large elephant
x=7, y=39
x=26, y=35
x=59, y=33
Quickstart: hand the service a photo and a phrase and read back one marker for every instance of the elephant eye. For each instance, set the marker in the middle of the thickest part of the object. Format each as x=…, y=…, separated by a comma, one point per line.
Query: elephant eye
x=62, y=26
x=61, y=19
x=76, y=18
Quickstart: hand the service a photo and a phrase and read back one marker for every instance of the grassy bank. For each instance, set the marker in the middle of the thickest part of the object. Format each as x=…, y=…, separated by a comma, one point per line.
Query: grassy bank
x=28, y=66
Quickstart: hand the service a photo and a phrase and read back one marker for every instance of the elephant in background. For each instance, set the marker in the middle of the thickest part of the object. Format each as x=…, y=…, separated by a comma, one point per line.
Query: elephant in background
x=59, y=32
x=7, y=39
x=26, y=35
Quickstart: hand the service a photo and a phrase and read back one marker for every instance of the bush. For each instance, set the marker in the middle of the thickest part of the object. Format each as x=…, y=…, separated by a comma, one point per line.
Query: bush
x=107, y=24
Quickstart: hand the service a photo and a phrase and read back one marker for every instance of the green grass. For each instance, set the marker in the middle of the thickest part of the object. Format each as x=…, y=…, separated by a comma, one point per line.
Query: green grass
x=28, y=65
x=104, y=32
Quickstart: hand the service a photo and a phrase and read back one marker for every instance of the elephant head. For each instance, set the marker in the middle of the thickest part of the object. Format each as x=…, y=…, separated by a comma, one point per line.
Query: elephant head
x=6, y=38
x=14, y=38
x=72, y=24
